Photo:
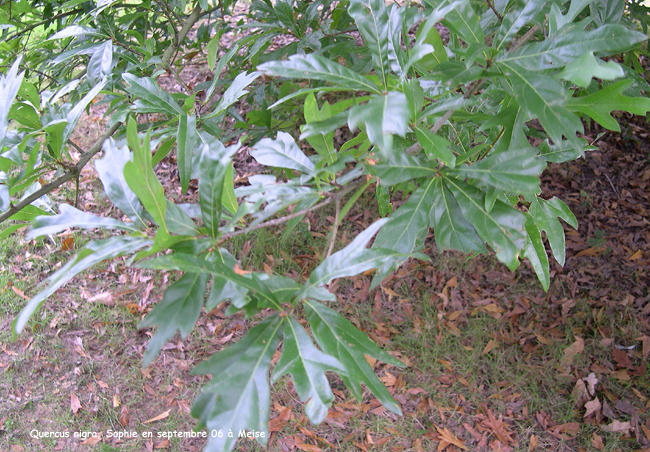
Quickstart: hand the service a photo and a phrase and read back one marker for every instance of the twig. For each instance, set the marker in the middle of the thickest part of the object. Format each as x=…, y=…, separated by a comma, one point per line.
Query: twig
x=76, y=146
x=178, y=78
x=291, y=216
x=127, y=47
x=187, y=26
x=335, y=227
x=169, y=12
x=494, y=10
x=529, y=34
x=42, y=22
x=69, y=175
x=610, y=183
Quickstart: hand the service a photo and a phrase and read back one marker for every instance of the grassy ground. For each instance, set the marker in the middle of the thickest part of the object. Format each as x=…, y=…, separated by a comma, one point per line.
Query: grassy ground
x=489, y=359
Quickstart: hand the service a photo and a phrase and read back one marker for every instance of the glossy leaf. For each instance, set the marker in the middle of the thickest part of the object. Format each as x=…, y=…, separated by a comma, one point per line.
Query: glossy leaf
x=513, y=171
x=536, y=253
x=140, y=177
x=215, y=166
x=101, y=62
x=581, y=71
x=599, y=105
x=546, y=213
x=150, y=98
x=178, y=221
x=92, y=254
x=383, y=116
x=238, y=396
x=502, y=227
x=234, y=92
x=351, y=260
x=323, y=143
x=224, y=289
x=337, y=337
x=178, y=311
x=371, y=18
x=307, y=366
x=198, y=264
x=71, y=217
x=516, y=20
x=543, y=97
x=562, y=48
x=451, y=228
x=408, y=225
x=317, y=67
x=110, y=169
x=436, y=146
x=283, y=152
x=401, y=168
x=185, y=144
x=462, y=20
x=4, y=197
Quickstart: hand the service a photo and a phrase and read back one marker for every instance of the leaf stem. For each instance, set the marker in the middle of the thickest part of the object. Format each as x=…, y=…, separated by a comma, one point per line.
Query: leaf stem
x=284, y=219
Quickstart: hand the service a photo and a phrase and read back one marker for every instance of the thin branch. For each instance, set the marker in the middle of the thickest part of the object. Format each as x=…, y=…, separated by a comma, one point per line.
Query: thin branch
x=335, y=227
x=127, y=47
x=77, y=147
x=42, y=22
x=529, y=34
x=494, y=10
x=179, y=79
x=187, y=26
x=69, y=175
x=291, y=216
x=169, y=12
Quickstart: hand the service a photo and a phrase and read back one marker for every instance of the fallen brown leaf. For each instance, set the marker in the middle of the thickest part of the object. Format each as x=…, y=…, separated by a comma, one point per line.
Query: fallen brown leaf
x=591, y=380
x=572, y=351
x=491, y=345
x=159, y=417
x=534, y=440
x=617, y=427
x=580, y=394
x=277, y=423
x=75, y=404
x=124, y=416
x=597, y=442
x=592, y=407
x=92, y=440
x=450, y=438
x=68, y=244
x=19, y=292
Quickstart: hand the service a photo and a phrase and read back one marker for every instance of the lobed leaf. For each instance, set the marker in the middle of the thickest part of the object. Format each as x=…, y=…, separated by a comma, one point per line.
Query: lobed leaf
x=337, y=337
x=545, y=213
x=502, y=227
x=238, y=396
x=452, y=230
x=307, y=366
x=599, y=105
x=317, y=67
